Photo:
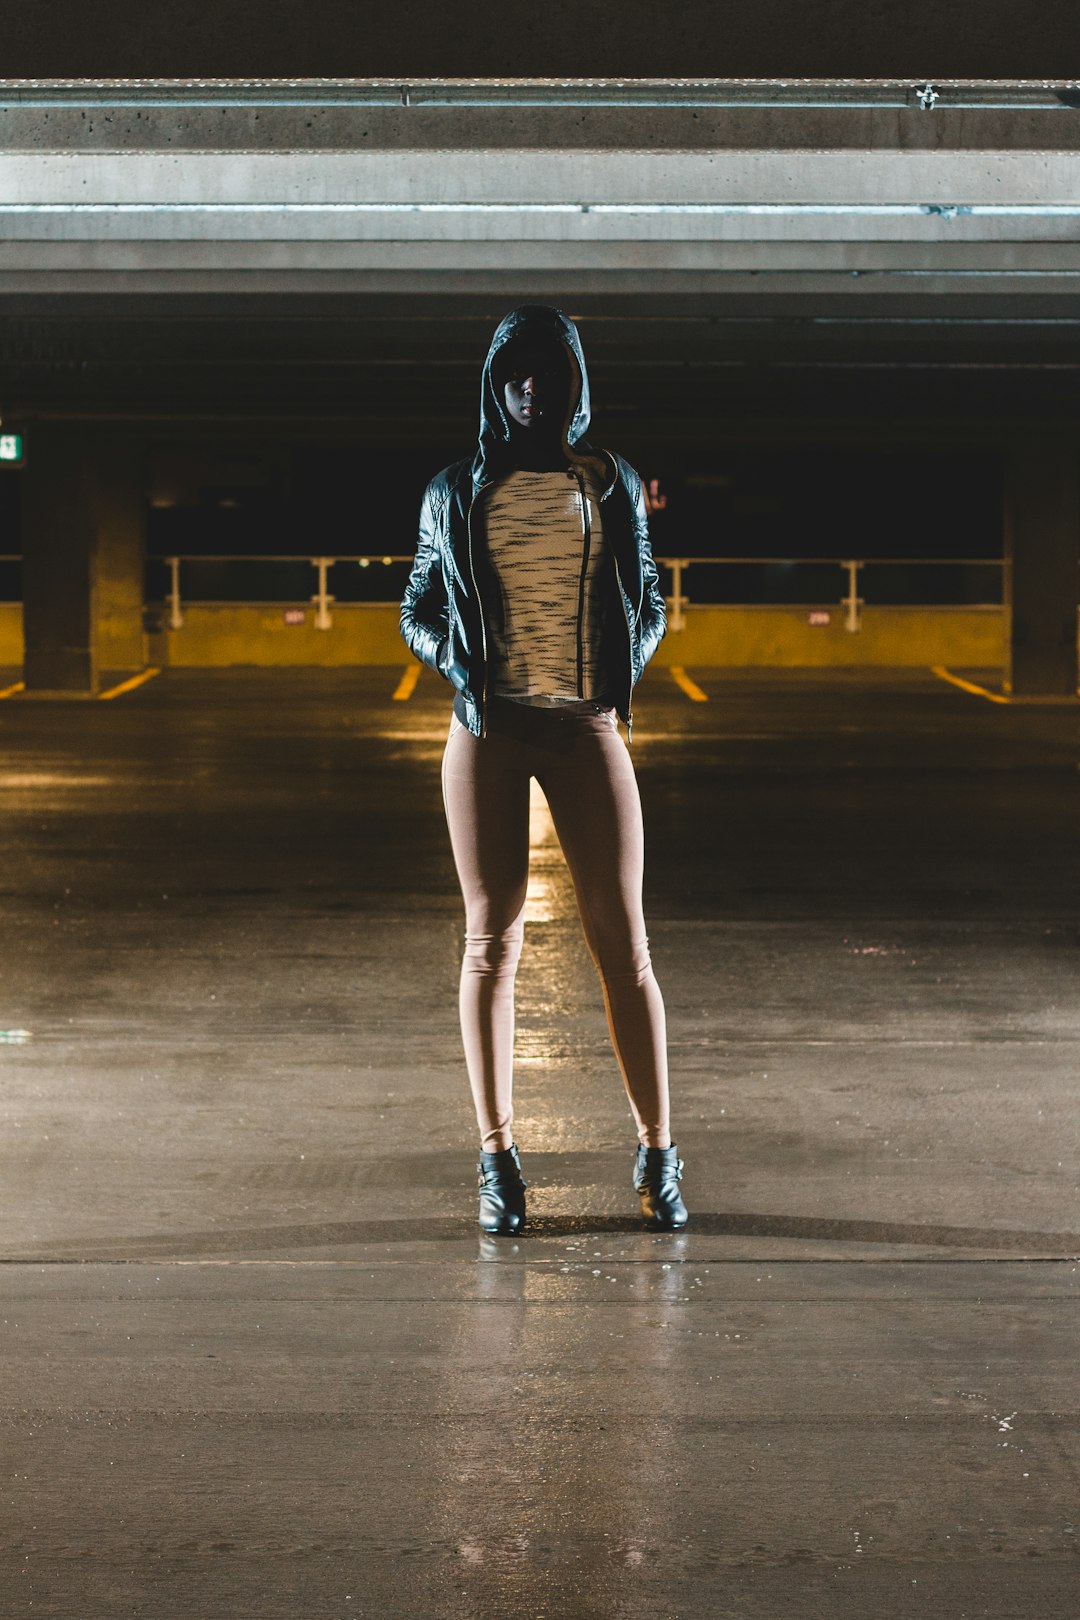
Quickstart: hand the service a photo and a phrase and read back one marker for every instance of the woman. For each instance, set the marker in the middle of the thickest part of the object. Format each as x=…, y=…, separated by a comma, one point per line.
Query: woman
x=534, y=593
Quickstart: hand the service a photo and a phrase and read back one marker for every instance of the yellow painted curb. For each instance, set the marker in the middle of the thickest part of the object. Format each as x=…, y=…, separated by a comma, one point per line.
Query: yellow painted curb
x=691, y=688
x=967, y=686
x=129, y=685
x=405, y=687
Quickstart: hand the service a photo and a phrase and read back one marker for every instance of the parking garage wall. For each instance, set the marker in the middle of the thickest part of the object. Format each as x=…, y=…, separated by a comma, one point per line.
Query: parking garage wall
x=224, y=634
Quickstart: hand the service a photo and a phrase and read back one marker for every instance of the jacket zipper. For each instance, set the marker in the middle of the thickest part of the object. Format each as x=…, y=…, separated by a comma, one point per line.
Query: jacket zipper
x=581, y=585
x=480, y=610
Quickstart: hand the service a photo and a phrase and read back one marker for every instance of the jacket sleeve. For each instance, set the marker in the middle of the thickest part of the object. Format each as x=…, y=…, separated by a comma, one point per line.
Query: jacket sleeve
x=425, y=617
x=653, y=605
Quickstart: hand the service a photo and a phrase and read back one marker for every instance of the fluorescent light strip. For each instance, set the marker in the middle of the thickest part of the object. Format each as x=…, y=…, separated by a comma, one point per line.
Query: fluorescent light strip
x=932, y=210
x=430, y=92
x=420, y=103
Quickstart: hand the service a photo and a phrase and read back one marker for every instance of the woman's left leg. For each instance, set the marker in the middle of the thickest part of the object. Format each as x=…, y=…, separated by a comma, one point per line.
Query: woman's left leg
x=592, y=792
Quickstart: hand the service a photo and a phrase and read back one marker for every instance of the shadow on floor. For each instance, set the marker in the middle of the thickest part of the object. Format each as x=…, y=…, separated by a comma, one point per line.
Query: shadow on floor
x=334, y=1234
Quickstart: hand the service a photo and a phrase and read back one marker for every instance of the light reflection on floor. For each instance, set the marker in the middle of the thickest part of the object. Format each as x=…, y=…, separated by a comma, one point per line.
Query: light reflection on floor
x=560, y=1023
x=545, y=859
x=47, y=779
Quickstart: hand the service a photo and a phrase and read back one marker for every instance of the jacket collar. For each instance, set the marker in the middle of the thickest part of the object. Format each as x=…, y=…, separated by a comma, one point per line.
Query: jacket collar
x=485, y=469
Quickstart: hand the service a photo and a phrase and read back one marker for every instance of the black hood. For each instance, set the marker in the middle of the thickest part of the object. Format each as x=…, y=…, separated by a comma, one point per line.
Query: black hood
x=537, y=322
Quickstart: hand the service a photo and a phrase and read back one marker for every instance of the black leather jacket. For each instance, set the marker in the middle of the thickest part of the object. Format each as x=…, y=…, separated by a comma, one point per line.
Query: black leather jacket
x=442, y=614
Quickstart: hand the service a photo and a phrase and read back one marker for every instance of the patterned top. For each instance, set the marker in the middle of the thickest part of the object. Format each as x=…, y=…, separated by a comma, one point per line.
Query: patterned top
x=545, y=576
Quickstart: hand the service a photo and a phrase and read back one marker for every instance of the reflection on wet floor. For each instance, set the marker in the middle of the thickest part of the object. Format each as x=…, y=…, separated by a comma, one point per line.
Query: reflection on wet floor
x=549, y=877
x=535, y=1479
x=561, y=1032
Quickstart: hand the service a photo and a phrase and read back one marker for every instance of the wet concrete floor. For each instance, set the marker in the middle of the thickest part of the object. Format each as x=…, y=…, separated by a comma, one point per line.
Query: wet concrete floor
x=256, y=1359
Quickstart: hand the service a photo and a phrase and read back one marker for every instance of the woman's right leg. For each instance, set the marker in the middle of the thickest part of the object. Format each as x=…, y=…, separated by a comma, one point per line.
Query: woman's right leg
x=486, y=793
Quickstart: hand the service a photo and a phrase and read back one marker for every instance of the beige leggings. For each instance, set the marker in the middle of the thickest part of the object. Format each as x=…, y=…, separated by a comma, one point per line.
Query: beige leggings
x=585, y=772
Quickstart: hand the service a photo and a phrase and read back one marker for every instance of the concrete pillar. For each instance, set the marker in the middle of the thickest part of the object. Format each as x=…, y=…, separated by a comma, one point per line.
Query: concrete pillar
x=1042, y=563
x=83, y=540
x=120, y=504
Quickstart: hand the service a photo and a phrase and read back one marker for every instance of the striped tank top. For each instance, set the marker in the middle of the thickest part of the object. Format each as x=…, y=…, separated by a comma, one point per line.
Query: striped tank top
x=545, y=567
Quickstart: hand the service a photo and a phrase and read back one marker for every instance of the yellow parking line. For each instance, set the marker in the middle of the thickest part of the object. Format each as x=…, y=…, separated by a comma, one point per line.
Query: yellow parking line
x=127, y=686
x=691, y=688
x=967, y=686
x=404, y=687
x=8, y=690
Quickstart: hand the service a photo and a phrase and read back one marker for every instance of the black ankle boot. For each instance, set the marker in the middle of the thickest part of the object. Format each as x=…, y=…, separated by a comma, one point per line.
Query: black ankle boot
x=657, y=1173
x=502, y=1190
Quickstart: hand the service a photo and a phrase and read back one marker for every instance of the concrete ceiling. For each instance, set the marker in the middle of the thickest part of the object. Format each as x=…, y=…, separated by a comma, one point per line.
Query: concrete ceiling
x=816, y=258
x=764, y=39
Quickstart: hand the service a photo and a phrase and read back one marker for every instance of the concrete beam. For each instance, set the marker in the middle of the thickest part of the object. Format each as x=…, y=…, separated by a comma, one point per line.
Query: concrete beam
x=1038, y=236
x=593, y=116
x=535, y=175
x=559, y=280
x=94, y=218
x=287, y=185
x=602, y=164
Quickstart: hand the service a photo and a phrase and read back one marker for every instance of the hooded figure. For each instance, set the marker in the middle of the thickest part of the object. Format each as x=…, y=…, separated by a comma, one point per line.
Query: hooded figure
x=536, y=328
x=534, y=593
x=449, y=599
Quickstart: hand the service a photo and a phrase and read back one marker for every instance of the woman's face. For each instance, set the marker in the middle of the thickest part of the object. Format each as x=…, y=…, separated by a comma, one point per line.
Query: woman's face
x=535, y=389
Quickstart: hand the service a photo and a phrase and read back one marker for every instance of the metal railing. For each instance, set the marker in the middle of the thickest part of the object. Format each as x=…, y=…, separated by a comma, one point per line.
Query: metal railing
x=320, y=597
x=848, y=597
x=852, y=569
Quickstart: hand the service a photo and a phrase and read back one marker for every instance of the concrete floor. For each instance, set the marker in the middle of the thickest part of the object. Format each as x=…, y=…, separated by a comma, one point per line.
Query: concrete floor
x=258, y=1361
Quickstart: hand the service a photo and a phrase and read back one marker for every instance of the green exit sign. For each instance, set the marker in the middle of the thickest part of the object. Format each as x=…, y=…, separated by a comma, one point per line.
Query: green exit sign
x=11, y=449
